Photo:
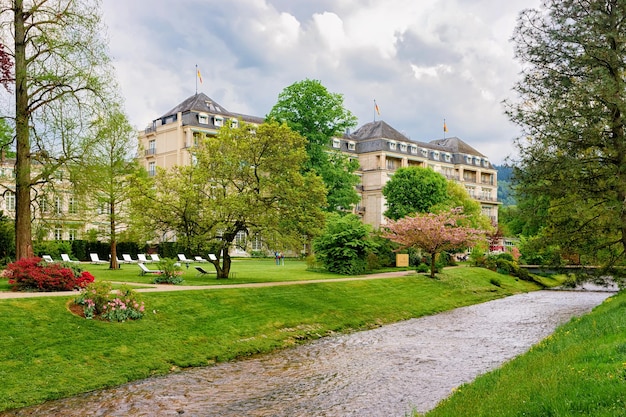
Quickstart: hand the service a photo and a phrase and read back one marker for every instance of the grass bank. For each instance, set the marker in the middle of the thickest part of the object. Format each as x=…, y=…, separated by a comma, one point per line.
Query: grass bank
x=580, y=370
x=47, y=353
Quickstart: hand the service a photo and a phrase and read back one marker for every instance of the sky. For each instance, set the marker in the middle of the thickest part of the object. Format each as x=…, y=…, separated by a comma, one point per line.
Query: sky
x=422, y=61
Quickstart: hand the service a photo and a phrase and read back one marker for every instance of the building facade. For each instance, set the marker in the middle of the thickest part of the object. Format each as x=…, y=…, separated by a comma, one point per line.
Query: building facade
x=379, y=148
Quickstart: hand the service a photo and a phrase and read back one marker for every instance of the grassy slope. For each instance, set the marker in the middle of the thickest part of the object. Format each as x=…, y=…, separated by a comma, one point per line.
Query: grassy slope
x=578, y=371
x=47, y=353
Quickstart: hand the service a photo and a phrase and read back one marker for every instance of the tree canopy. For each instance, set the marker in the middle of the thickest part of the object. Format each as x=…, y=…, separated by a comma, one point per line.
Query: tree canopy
x=572, y=107
x=319, y=115
x=245, y=180
x=433, y=233
x=414, y=190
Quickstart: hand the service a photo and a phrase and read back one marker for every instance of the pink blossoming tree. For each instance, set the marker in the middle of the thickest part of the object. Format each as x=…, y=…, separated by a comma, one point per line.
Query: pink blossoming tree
x=433, y=233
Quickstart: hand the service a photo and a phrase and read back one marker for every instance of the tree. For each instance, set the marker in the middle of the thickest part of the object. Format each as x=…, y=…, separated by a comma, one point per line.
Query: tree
x=414, y=190
x=319, y=115
x=344, y=245
x=245, y=180
x=572, y=110
x=60, y=69
x=103, y=177
x=458, y=198
x=433, y=233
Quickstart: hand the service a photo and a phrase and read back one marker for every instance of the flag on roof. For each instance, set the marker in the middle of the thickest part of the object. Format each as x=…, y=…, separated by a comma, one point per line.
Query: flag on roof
x=376, y=108
x=199, y=75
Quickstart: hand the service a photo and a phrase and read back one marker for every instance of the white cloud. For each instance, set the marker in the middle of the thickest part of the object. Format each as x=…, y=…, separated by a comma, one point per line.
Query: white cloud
x=422, y=61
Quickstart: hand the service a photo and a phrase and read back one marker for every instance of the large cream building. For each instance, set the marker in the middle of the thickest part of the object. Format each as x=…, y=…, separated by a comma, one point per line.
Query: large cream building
x=379, y=148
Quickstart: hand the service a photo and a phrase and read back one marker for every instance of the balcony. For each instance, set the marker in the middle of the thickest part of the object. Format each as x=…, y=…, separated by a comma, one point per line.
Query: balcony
x=150, y=152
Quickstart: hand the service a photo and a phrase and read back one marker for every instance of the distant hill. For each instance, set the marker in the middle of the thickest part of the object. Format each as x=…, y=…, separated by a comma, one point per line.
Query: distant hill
x=505, y=192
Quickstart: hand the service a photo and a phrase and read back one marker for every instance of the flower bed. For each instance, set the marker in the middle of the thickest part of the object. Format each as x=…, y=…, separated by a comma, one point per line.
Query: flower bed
x=98, y=301
x=34, y=274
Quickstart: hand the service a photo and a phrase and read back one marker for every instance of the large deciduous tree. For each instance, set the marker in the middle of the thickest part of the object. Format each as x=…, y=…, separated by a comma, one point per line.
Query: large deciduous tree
x=572, y=110
x=103, y=178
x=246, y=179
x=319, y=115
x=60, y=70
x=433, y=233
x=414, y=190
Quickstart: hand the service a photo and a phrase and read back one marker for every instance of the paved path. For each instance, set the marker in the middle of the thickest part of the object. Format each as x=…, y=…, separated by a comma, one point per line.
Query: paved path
x=169, y=288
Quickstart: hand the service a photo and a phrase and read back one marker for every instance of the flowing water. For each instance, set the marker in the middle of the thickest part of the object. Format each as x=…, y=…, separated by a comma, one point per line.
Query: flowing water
x=386, y=372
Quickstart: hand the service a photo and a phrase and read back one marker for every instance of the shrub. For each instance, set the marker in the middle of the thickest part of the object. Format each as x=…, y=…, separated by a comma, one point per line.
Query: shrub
x=171, y=272
x=99, y=301
x=422, y=268
x=33, y=274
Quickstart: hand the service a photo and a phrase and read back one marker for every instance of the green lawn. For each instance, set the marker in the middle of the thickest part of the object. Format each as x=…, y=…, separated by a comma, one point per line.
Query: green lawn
x=47, y=353
x=580, y=370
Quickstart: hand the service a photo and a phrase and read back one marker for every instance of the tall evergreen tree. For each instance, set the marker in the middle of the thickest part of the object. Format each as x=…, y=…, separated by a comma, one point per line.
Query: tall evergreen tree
x=572, y=111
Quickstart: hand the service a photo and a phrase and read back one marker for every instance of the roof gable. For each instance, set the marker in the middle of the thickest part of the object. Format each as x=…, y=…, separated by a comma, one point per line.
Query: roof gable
x=198, y=103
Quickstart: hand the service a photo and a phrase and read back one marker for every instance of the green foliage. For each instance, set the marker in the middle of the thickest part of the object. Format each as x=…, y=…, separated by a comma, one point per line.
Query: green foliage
x=319, y=115
x=414, y=190
x=7, y=239
x=572, y=151
x=422, y=268
x=344, y=245
x=54, y=248
x=6, y=137
x=457, y=197
x=171, y=272
x=99, y=301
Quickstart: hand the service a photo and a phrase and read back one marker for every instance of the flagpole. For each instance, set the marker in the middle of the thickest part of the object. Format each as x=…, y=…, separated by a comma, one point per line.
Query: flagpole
x=196, y=77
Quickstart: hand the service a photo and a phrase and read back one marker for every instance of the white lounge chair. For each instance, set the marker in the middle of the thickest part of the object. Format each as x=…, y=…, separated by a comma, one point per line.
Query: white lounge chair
x=155, y=257
x=47, y=258
x=212, y=257
x=95, y=259
x=141, y=257
x=183, y=258
x=119, y=261
x=199, y=259
x=145, y=270
x=66, y=258
x=126, y=257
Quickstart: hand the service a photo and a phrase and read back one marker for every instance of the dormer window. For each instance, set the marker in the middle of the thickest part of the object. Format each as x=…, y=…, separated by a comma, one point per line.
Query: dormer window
x=218, y=121
x=351, y=146
x=485, y=162
x=424, y=152
x=447, y=157
x=436, y=155
x=476, y=160
x=336, y=143
x=392, y=145
x=234, y=123
x=203, y=118
x=468, y=159
x=403, y=147
x=413, y=149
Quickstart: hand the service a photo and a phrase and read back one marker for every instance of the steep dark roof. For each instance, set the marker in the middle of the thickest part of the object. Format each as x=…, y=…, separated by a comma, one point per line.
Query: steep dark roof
x=201, y=103
x=456, y=145
x=377, y=130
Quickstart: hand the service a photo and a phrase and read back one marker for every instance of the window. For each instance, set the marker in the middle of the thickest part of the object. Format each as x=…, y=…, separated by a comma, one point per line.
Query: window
x=43, y=204
x=151, y=147
x=234, y=123
x=152, y=169
x=257, y=243
x=468, y=159
x=336, y=143
x=486, y=194
x=72, y=205
x=392, y=146
x=391, y=164
x=58, y=233
x=58, y=205
x=413, y=149
x=218, y=121
x=351, y=146
x=203, y=118
x=424, y=152
x=485, y=162
x=240, y=239
x=447, y=157
x=403, y=147
x=471, y=191
x=10, y=200
x=436, y=155
x=72, y=233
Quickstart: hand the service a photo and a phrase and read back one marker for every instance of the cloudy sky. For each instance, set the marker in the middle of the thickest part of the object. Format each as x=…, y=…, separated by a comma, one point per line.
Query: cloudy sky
x=423, y=61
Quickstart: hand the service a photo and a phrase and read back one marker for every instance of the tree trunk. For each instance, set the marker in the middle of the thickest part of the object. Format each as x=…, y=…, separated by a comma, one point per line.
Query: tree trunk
x=23, y=229
x=433, y=264
x=113, y=262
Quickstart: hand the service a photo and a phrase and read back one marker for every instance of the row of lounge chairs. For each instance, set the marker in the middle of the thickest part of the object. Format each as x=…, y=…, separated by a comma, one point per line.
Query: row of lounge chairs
x=64, y=258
